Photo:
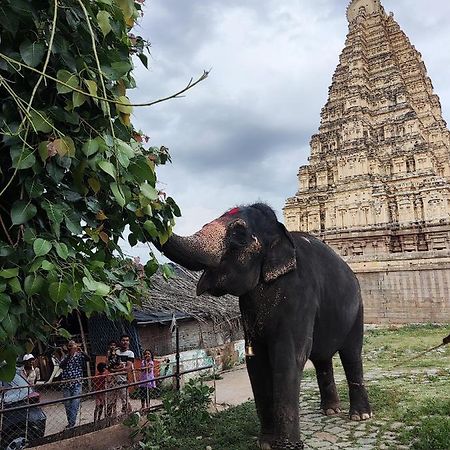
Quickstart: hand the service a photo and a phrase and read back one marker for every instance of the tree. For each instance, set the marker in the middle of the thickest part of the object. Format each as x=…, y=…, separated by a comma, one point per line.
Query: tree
x=74, y=171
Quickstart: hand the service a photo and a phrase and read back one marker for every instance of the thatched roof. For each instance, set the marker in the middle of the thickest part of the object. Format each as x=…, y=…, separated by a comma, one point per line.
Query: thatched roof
x=178, y=295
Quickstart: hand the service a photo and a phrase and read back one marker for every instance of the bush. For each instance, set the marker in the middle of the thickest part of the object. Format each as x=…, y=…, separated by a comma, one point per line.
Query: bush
x=184, y=412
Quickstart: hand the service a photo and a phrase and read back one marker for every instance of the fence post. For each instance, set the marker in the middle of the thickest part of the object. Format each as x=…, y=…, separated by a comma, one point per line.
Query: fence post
x=177, y=357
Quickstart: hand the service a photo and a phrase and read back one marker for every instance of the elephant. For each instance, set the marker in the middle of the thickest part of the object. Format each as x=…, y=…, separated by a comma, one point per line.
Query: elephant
x=298, y=300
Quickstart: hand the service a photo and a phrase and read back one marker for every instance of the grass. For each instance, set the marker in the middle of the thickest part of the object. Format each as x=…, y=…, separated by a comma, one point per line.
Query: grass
x=234, y=429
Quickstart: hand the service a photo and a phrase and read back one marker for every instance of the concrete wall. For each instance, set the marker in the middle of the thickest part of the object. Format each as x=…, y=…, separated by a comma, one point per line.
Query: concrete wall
x=408, y=289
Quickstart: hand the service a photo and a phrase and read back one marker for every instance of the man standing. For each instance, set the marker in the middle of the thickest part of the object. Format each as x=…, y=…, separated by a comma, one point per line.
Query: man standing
x=72, y=367
x=125, y=368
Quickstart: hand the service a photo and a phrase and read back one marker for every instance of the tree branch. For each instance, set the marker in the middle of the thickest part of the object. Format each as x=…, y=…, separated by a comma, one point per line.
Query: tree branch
x=190, y=85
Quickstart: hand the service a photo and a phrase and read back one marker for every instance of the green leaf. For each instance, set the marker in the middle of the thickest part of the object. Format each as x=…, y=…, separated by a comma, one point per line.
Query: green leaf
x=143, y=59
x=64, y=333
x=47, y=265
x=15, y=285
x=9, y=273
x=150, y=227
x=78, y=99
x=54, y=212
x=5, y=303
x=58, y=291
x=92, y=88
x=118, y=195
x=68, y=78
x=142, y=171
x=41, y=121
x=90, y=147
x=124, y=153
x=102, y=289
x=31, y=52
x=41, y=247
x=33, y=187
x=149, y=191
x=10, y=324
x=151, y=267
x=90, y=283
x=22, y=158
x=167, y=271
x=103, y=22
x=72, y=221
x=33, y=284
x=107, y=167
x=8, y=370
x=22, y=212
x=43, y=150
x=62, y=250
x=126, y=107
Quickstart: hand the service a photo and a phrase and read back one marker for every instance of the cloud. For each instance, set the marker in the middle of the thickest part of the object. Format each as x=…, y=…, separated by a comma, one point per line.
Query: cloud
x=241, y=135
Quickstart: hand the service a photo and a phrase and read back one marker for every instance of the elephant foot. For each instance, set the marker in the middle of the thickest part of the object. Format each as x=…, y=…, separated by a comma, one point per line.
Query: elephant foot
x=360, y=416
x=331, y=411
x=359, y=402
x=280, y=444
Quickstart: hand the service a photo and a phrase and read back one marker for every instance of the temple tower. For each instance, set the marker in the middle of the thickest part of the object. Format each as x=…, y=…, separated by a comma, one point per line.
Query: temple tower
x=377, y=186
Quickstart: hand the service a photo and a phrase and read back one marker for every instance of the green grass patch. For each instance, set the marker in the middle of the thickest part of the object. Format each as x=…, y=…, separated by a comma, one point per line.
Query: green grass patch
x=234, y=429
x=432, y=433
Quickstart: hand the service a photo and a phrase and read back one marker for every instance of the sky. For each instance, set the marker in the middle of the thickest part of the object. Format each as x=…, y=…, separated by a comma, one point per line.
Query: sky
x=240, y=136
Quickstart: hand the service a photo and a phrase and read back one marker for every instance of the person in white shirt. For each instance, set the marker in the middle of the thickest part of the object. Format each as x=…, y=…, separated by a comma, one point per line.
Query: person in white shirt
x=124, y=370
x=29, y=371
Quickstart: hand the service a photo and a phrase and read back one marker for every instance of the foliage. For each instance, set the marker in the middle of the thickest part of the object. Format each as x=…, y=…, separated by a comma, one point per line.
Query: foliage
x=188, y=409
x=184, y=412
x=74, y=173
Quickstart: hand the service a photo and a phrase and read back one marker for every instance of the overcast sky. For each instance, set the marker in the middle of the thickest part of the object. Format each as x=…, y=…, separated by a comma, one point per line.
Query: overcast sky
x=241, y=135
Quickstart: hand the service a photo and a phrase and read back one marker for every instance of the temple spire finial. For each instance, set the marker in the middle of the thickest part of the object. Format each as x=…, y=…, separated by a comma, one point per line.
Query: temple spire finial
x=363, y=7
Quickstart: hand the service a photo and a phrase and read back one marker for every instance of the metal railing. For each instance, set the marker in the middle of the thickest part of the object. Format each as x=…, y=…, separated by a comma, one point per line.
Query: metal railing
x=49, y=412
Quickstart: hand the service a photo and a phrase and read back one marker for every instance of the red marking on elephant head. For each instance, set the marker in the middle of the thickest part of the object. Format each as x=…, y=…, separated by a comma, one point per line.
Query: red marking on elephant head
x=233, y=211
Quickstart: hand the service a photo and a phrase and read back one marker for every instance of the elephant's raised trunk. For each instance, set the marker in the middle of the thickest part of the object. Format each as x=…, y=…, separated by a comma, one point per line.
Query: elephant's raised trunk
x=202, y=250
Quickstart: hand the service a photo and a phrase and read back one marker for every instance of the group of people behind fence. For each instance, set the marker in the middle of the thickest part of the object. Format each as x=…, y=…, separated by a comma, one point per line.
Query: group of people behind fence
x=116, y=373
x=110, y=384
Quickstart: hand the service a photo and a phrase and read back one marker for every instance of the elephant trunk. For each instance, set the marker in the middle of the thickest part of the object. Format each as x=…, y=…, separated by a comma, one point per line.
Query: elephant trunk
x=200, y=251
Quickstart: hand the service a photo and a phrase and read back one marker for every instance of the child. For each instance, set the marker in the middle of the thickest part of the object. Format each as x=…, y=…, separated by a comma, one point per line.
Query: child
x=99, y=384
x=147, y=374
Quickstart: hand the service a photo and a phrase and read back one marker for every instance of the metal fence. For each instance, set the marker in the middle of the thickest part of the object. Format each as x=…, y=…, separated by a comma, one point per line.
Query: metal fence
x=47, y=412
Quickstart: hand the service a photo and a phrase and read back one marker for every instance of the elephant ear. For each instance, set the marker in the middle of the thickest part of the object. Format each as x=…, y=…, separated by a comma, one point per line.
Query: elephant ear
x=281, y=256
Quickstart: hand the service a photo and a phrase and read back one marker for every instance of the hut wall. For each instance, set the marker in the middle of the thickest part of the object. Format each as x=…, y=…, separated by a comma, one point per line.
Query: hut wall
x=157, y=338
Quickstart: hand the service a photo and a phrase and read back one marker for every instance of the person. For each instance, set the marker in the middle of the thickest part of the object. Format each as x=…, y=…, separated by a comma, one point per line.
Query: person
x=148, y=375
x=29, y=371
x=113, y=362
x=72, y=366
x=99, y=384
x=123, y=369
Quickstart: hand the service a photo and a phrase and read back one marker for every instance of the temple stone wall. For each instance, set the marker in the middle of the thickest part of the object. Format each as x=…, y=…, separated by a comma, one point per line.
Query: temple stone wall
x=412, y=289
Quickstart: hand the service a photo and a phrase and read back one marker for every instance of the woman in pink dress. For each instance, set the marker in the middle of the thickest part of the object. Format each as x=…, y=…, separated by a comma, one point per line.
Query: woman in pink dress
x=148, y=375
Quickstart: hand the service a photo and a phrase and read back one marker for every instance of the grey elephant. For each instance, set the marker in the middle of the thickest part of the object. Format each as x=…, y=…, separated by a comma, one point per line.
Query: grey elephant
x=298, y=299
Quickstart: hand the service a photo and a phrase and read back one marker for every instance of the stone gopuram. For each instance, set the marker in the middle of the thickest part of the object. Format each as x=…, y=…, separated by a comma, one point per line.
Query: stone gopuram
x=377, y=186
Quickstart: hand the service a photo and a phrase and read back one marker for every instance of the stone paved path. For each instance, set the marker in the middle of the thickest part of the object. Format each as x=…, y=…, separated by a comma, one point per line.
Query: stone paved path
x=319, y=431
x=338, y=432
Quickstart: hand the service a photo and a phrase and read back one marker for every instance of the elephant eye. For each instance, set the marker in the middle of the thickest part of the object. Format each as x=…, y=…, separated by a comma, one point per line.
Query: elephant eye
x=238, y=235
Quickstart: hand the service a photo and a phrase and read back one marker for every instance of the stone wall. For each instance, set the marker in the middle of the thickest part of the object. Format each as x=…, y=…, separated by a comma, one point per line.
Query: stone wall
x=408, y=289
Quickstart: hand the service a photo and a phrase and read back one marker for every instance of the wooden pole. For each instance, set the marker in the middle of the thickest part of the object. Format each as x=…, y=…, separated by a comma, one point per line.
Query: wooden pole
x=177, y=357
x=83, y=341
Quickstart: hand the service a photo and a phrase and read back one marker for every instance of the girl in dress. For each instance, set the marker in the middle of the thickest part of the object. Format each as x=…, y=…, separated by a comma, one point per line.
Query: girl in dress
x=148, y=375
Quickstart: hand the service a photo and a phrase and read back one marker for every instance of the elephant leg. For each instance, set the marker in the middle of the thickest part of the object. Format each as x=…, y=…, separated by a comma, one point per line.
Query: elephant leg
x=329, y=398
x=350, y=355
x=287, y=365
x=262, y=387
